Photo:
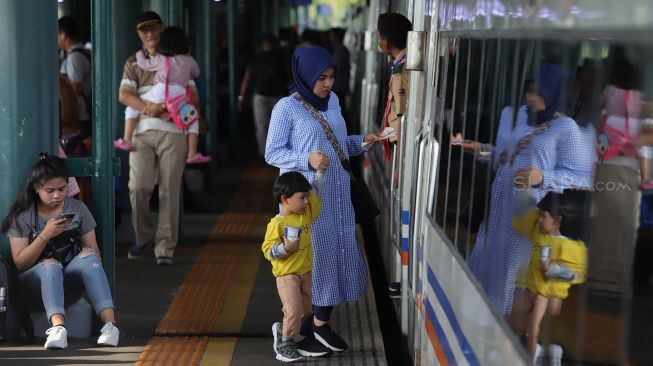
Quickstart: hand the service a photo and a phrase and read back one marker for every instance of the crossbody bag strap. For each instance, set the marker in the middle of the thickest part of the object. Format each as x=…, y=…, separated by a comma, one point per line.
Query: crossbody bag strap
x=627, y=98
x=167, y=74
x=525, y=142
x=327, y=131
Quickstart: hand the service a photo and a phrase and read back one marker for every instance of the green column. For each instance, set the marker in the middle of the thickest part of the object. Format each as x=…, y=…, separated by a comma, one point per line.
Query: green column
x=104, y=97
x=28, y=92
x=233, y=91
x=203, y=22
x=171, y=11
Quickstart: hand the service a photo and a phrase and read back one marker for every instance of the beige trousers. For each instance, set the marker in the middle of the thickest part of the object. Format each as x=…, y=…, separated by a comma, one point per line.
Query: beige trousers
x=158, y=157
x=295, y=294
x=615, y=220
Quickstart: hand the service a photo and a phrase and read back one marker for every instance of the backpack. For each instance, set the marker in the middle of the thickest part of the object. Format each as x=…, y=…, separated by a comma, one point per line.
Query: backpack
x=14, y=316
x=88, y=100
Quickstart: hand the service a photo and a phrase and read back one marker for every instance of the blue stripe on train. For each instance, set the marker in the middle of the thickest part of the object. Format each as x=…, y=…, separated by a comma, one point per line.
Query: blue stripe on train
x=446, y=306
x=439, y=332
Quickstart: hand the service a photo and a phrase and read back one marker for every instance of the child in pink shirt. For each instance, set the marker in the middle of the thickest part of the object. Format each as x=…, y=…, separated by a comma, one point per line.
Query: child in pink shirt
x=174, y=44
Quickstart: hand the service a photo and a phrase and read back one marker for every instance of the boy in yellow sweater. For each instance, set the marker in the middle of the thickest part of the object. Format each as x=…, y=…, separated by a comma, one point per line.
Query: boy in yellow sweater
x=557, y=261
x=287, y=246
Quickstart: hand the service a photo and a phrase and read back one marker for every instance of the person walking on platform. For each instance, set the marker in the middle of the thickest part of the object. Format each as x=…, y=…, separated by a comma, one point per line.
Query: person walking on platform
x=158, y=155
x=287, y=246
x=269, y=73
x=55, y=251
x=393, y=31
x=304, y=129
x=76, y=67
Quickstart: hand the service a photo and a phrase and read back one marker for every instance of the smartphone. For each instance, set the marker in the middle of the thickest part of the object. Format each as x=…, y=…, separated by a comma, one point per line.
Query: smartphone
x=67, y=216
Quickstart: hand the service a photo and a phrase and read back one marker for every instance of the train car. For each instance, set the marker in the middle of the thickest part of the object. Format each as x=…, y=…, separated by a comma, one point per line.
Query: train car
x=471, y=62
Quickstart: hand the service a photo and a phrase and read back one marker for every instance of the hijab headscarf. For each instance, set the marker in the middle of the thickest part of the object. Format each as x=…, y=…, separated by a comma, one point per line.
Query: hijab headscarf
x=308, y=63
x=549, y=84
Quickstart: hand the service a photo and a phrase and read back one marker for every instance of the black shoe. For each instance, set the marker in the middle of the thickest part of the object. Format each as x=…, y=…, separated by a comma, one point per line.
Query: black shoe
x=329, y=338
x=311, y=347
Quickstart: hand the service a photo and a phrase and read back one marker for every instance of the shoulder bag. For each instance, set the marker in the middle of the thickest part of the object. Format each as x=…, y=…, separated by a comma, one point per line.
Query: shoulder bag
x=365, y=208
x=63, y=247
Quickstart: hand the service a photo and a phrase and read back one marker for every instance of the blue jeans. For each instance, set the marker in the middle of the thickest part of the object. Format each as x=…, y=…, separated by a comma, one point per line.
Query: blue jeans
x=51, y=282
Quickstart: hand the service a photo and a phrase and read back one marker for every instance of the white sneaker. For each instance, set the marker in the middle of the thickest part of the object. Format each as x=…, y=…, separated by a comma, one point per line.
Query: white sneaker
x=109, y=335
x=57, y=338
x=555, y=355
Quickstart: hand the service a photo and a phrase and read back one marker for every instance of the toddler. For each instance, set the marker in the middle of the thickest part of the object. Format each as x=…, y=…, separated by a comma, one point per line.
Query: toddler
x=287, y=246
x=556, y=263
x=174, y=44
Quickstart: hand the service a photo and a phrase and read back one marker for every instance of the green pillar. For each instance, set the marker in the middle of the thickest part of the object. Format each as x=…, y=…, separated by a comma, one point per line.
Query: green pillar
x=28, y=92
x=104, y=98
x=171, y=11
x=233, y=91
x=204, y=51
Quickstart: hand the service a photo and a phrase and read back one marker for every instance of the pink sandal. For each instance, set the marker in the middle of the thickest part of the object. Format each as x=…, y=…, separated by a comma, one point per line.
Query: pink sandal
x=646, y=186
x=123, y=145
x=198, y=159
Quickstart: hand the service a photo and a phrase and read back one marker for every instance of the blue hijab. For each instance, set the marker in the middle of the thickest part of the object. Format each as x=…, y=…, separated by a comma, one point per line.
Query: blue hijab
x=549, y=84
x=308, y=63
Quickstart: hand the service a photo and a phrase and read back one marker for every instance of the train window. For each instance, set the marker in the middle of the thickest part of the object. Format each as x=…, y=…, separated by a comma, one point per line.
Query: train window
x=559, y=127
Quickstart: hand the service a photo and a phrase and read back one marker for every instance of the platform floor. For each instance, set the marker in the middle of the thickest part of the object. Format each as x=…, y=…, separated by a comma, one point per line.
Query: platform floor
x=216, y=304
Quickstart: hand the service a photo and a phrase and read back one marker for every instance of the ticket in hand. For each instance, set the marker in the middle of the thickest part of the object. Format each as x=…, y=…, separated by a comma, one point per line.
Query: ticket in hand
x=386, y=133
x=457, y=139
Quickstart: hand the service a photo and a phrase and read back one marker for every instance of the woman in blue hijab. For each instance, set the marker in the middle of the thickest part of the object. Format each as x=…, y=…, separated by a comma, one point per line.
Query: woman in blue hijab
x=546, y=151
x=297, y=142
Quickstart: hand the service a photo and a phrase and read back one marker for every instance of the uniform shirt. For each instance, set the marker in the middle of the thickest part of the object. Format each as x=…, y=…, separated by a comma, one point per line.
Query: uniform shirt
x=77, y=68
x=571, y=253
x=398, y=95
x=301, y=261
x=141, y=81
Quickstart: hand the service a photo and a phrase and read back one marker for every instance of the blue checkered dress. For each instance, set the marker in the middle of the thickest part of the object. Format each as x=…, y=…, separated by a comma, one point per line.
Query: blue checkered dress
x=566, y=154
x=339, y=269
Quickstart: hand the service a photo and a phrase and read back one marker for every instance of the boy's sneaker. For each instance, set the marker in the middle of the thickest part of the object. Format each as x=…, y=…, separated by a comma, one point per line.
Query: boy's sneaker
x=311, y=347
x=394, y=290
x=57, y=338
x=287, y=352
x=109, y=335
x=164, y=261
x=329, y=338
x=137, y=251
x=277, y=333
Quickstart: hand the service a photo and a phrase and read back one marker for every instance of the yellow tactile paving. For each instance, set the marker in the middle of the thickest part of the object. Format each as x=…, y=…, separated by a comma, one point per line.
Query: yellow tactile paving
x=235, y=304
x=181, y=351
x=201, y=298
x=219, y=352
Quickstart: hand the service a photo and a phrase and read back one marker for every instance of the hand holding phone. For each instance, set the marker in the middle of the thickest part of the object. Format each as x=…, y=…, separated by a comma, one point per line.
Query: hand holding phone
x=67, y=216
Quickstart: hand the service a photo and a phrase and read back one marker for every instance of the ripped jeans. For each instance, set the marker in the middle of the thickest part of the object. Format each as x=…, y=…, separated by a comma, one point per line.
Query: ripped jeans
x=52, y=283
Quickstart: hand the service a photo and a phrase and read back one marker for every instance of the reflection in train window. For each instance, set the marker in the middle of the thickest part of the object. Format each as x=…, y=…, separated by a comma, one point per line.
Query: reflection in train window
x=522, y=118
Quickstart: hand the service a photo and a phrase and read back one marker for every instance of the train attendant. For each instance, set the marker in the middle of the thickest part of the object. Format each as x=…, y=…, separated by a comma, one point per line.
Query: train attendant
x=304, y=129
x=547, y=152
x=393, y=31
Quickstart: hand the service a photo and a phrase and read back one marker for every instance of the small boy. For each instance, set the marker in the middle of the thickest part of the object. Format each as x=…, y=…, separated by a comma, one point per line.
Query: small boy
x=287, y=246
x=557, y=261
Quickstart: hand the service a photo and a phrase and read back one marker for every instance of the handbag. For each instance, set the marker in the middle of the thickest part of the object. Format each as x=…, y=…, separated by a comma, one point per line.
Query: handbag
x=181, y=108
x=63, y=247
x=73, y=145
x=365, y=208
x=613, y=142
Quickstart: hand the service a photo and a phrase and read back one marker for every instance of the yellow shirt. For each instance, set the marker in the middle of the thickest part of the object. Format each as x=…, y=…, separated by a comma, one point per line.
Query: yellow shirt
x=569, y=252
x=300, y=261
x=398, y=95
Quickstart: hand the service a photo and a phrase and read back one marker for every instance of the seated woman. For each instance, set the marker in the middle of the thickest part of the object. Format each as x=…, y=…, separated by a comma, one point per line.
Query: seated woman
x=53, y=246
